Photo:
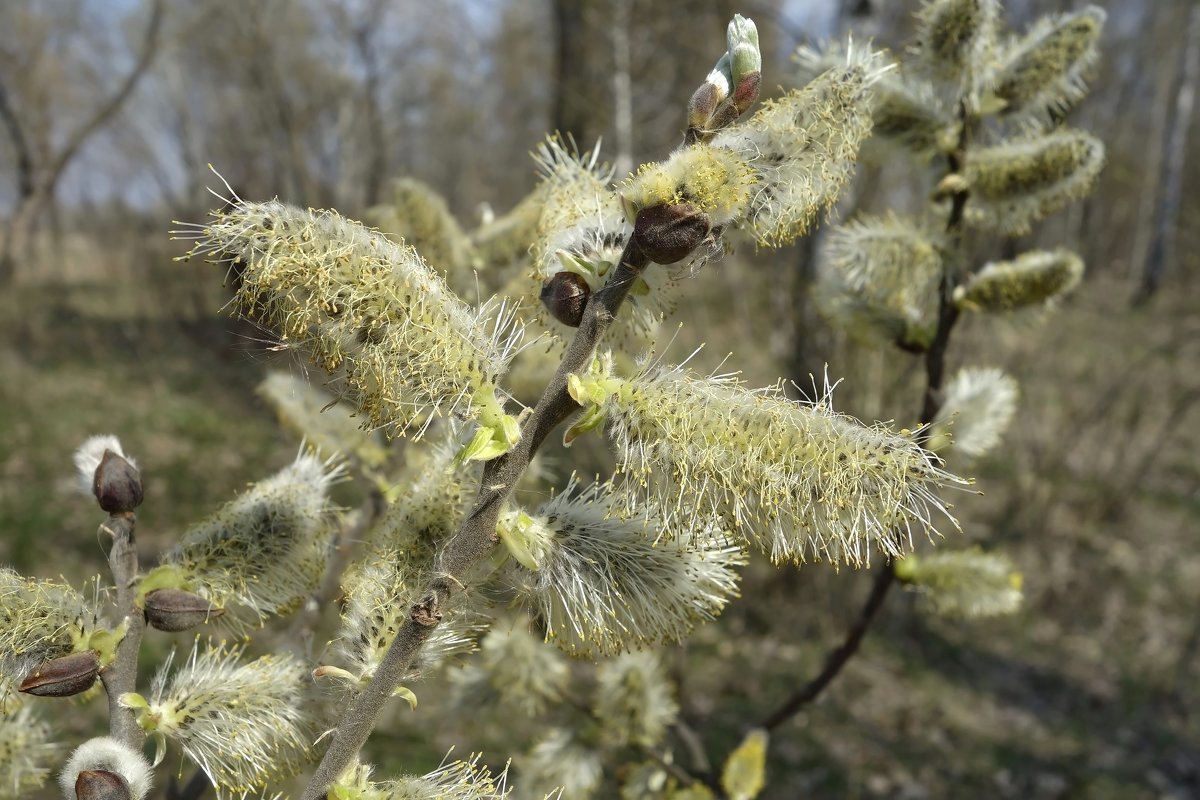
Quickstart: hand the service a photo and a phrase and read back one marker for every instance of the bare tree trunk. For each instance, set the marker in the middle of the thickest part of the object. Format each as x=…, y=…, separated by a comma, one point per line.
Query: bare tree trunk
x=568, y=56
x=1162, y=249
x=37, y=183
x=622, y=88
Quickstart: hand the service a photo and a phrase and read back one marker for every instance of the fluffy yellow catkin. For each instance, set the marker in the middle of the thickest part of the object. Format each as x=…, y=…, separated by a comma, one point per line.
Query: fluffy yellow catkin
x=560, y=761
x=264, y=552
x=245, y=724
x=401, y=344
x=906, y=109
x=415, y=214
x=1018, y=183
x=583, y=230
x=380, y=591
x=41, y=620
x=798, y=480
x=599, y=582
x=773, y=173
x=452, y=780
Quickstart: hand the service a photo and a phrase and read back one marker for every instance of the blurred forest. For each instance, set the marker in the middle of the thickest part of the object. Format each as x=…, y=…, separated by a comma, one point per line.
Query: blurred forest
x=111, y=111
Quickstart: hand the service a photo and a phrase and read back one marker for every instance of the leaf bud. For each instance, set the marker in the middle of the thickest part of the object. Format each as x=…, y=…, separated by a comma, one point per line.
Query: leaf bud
x=64, y=676
x=565, y=295
x=117, y=484
x=745, y=61
x=669, y=232
x=101, y=784
x=174, y=610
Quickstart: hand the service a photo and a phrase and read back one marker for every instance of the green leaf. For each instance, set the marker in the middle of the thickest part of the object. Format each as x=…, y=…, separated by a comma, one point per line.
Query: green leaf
x=407, y=694
x=744, y=774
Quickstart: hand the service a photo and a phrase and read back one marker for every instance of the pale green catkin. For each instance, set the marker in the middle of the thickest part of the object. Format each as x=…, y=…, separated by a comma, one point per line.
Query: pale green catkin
x=906, y=109
x=979, y=404
x=879, y=279
x=401, y=344
x=1032, y=279
x=453, y=780
x=1042, y=74
x=803, y=148
x=1017, y=183
x=583, y=230
x=797, y=480
x=319, y=418
x=380, y=590
x=634, y=703
x=560, y=760
x=416, y=215
x=964, y=583
x=245, y=724
x=431, y=497
x=772, y=174
x=603, y=586
x=515, y=671
x=26, y=754
x=264, y=552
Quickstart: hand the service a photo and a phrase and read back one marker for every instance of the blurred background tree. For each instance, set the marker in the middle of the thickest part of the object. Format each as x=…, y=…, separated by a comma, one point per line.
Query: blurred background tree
x=110, y=112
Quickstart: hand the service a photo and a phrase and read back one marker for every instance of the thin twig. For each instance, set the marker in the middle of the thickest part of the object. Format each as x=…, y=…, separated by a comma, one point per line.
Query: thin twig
x=476, y=537
x=838, y=657
x=121, y=676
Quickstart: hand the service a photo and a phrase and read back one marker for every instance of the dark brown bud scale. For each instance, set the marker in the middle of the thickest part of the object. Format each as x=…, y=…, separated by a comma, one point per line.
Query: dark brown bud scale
x=117, y=484
x=670, y=232
x=64, y=676
x=174, y=610
x=101, y=784
x=565, y=295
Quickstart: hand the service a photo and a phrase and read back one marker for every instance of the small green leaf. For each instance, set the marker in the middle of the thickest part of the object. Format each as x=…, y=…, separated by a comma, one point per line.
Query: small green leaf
x=744, y=774
x=407, y=694
x=591, y=419
x=516, y=542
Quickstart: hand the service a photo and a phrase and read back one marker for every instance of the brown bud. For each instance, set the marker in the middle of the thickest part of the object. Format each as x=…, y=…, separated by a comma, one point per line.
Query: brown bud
x=63, y=676
x=746, y=92
x=668, y=233
x=117, y=484
x=100, y=784
x=174, y=610
x=565, y=295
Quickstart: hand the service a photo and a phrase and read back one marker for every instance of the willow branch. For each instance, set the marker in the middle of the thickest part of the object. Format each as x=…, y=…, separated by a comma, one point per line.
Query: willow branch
x=476, y=537
x=121, y=676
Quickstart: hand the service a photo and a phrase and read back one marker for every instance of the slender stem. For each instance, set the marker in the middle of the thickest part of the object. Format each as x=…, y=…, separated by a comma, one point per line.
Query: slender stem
x=476, y=537
x=121, y=676
x=935, y=375
x=837, y=657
